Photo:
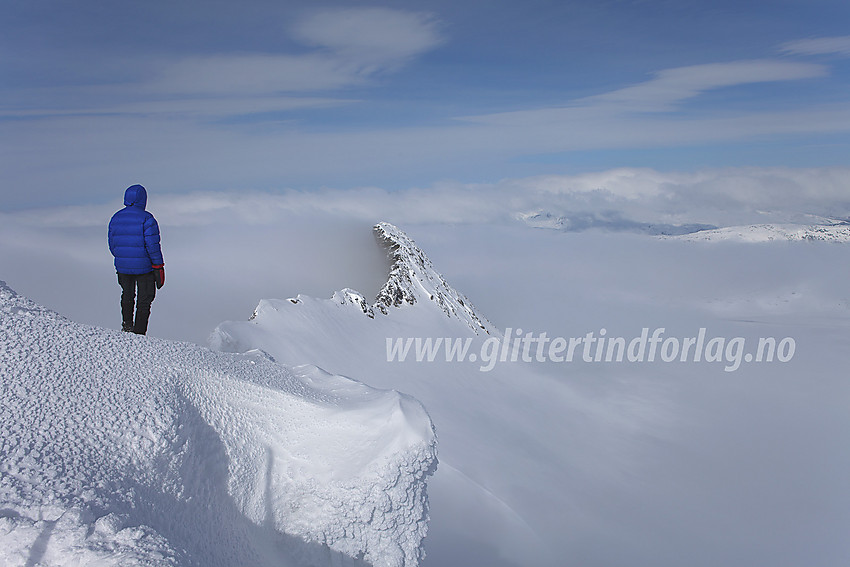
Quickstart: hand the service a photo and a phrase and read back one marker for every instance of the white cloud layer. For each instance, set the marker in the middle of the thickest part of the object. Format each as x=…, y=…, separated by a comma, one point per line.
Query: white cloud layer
x=354, y=44
x=839, y=45
x=617, y=199
x=254, y=74
x=668, y=89
x=672, y=86
x=372, y=37
x=347, y=47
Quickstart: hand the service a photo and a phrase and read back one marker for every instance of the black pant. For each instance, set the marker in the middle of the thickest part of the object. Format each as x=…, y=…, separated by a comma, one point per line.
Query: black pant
x=147, y=291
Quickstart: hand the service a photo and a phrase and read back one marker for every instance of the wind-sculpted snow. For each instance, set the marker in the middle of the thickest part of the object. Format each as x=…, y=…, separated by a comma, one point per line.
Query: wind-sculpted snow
x=117, y=449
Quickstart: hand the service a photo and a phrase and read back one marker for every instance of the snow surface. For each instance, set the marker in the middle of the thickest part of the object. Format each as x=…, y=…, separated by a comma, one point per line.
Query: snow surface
x=125, y=450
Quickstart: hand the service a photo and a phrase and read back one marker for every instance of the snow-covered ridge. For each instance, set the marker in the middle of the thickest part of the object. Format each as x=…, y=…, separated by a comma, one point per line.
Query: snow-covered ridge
x=837, y=232
x=124, y=450
x=303, y=329
x=612, y=221
x=413, y=278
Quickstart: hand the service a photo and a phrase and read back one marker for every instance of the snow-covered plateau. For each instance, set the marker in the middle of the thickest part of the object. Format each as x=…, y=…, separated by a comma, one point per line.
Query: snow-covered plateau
x=126, y=450
x=833, y=232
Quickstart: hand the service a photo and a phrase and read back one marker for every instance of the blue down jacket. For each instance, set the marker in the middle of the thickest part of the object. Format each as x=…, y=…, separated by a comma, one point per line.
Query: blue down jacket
x=134, y=235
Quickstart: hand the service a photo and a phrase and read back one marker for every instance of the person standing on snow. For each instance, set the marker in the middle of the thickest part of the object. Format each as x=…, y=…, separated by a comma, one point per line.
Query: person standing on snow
x=134, y=241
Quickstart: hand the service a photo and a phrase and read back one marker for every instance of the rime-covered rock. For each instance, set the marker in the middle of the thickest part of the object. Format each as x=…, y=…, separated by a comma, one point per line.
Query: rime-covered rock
x=413, y=278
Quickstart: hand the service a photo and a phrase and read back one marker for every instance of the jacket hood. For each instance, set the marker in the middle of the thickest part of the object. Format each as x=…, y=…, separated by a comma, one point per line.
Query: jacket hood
x=135, y=195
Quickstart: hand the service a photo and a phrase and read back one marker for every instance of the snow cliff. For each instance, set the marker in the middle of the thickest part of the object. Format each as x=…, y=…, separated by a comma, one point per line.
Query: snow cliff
x=124, y=450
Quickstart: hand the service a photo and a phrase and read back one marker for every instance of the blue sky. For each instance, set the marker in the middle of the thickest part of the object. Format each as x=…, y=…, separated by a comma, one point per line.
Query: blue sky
x=189, y=96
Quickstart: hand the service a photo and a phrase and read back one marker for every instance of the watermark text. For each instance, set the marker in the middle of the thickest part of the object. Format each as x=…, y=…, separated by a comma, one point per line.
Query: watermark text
x=594, y=347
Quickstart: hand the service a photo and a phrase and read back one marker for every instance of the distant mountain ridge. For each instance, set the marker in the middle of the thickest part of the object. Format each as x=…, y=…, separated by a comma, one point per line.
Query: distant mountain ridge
x=837, y=232
x=610, y=222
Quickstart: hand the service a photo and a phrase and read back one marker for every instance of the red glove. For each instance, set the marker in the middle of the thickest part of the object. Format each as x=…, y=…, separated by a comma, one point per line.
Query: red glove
x=159, y=272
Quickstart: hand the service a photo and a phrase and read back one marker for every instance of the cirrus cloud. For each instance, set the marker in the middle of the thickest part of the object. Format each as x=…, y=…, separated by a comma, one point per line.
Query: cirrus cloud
x=378, y=38
x=837, y=45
